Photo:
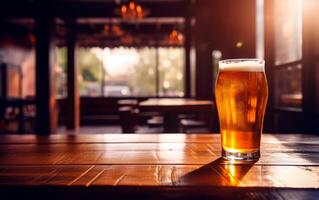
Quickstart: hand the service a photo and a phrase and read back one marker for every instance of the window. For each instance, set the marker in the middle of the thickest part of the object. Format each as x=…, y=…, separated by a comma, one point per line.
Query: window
x=317, y=39
x=60, y=72
x=171, y=71
x=126, y=71
x=288, y=84
x=14, y=81
x=288, y=54
x=288, y=34
x=90, y=72
x=260, y=29
x=129, y=71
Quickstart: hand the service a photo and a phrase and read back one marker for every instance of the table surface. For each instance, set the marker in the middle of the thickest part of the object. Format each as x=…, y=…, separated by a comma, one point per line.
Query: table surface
x=156, y=165
x=175, y=105
x=174, y=102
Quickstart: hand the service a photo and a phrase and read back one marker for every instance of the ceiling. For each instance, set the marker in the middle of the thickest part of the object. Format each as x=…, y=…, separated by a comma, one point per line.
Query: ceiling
x=89, y=18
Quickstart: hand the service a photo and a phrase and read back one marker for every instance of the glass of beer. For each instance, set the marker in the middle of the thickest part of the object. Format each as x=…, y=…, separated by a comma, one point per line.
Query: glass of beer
x=241, y=94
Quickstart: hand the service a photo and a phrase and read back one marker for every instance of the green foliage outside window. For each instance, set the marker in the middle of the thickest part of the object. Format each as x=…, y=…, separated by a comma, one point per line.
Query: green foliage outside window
x=125, y=71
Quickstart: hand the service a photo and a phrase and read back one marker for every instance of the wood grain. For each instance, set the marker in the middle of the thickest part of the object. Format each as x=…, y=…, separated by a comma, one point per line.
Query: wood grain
x=188, y=165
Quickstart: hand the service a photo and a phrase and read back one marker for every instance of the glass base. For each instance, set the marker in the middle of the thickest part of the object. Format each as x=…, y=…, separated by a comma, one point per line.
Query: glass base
x=240, y=156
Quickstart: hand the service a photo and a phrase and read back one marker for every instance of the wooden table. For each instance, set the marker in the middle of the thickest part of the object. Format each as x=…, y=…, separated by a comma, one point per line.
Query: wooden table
x=163, y=166
x=171, y=107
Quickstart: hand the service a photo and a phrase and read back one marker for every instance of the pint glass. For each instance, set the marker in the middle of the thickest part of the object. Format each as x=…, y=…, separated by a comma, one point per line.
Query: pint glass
x=241, y=94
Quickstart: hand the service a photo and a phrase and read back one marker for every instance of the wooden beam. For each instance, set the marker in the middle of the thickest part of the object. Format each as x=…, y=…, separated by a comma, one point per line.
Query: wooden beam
x=205, y=17
x=187, y=45
x=72, y=101
x=85, y=9
x=269, y=41
x=4, y=81
x=309, y=64
x=45, y=86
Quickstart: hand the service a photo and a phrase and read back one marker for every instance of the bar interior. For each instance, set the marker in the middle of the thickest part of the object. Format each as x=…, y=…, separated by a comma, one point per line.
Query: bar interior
x=121, y=99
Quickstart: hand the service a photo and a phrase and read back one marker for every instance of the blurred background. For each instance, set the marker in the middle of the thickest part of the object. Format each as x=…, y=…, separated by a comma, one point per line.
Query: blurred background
x=86, y=65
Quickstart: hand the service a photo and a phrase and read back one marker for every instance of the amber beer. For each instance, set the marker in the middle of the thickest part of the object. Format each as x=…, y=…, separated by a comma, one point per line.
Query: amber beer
x=241, y=95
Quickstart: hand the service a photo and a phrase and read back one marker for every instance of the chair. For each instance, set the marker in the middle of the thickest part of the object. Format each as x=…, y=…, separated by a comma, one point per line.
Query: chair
x=155, y=122
x=128, y=119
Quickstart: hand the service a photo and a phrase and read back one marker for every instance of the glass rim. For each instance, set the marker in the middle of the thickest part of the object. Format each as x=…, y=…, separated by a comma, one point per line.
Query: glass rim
x=242, y=64
x=240, y=60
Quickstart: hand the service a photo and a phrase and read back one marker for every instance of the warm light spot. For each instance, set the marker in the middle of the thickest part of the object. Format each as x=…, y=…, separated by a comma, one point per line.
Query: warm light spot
x=231, y=174
x=166, y=84
x=132, y=5
x=139, y=9
x=174, y=33
x=181, y=94
x=124, y=92
x=239, y=44
x=176, y=37
x=123, y=9
x=166, y=63
x=180, y=37
x=232, y=170
x=150, y=71
x=179, y=76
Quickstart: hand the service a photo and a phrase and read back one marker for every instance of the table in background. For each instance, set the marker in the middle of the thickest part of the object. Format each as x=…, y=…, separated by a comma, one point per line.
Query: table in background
x=155, y=166
x=172, y=107
x=24, y=106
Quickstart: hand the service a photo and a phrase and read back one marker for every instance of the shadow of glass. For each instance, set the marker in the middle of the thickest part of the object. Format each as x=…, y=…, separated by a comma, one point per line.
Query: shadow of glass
x=220, y=172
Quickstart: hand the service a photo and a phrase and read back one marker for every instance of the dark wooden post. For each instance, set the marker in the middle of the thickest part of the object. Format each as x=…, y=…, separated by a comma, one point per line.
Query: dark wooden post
x=269, y=41
x=73, y=102
x=3, y=93
x=187, y=46
x=4, y=81
x=45, y=86
x=205, y=14
x=309, y=65
x=157, y=78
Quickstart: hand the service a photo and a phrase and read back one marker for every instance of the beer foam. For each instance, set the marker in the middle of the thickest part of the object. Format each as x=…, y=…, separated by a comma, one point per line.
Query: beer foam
x=242, y=65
